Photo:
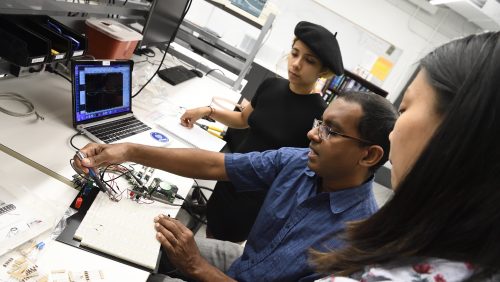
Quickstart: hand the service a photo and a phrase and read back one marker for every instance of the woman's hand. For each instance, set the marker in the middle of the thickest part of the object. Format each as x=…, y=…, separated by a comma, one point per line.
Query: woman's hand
x=192, y=115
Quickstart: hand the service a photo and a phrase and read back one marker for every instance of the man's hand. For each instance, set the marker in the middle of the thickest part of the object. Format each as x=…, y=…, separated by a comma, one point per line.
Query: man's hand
x=101, y=155
x=178, y=241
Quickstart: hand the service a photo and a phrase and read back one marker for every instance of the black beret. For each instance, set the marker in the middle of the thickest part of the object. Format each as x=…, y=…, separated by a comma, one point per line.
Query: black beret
x=323, y=43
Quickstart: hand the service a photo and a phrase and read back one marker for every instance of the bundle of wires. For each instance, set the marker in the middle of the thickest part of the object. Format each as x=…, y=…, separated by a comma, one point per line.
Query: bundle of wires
x=195, y=205
x=11, y=96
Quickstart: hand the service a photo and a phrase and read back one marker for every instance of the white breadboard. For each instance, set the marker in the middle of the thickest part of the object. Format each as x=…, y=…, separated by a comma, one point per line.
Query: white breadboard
x=123, y=229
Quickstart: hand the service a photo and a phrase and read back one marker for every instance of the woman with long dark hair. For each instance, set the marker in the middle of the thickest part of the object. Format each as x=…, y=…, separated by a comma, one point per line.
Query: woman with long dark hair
x=443, y=222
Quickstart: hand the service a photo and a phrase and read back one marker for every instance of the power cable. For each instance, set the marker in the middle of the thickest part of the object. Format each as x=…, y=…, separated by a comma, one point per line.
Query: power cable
x=166, y=51
x=73, y=137
x=12, y=96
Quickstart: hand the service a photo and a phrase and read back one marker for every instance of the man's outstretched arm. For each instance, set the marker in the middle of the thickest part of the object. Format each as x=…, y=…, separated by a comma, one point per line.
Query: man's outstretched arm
x=192, y=163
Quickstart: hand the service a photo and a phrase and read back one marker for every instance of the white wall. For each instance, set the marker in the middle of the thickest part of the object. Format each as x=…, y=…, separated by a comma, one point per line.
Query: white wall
x=396, y=21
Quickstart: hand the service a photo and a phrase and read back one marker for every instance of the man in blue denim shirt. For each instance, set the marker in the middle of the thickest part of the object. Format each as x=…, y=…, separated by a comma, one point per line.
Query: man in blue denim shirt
x=312, y=192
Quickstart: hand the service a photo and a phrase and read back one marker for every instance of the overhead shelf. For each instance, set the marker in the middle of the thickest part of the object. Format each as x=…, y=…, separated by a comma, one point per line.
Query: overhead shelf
x=239, y=13
x=61, y=8
x=216, y=50
x=21, y=46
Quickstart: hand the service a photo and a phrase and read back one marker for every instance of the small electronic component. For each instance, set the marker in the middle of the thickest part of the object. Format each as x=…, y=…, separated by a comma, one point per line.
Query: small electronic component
x=76, y=276
x=85, y=186
x=7, y=208
x=163, y=189
x=82, y=184
x=148, y=174
x=144, y=186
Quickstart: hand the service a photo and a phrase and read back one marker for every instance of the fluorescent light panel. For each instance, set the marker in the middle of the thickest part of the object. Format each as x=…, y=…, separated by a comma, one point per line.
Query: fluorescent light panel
x=440, y=2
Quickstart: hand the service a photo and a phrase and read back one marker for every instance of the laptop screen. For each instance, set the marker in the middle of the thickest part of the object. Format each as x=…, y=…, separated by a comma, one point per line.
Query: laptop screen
x=101, y=89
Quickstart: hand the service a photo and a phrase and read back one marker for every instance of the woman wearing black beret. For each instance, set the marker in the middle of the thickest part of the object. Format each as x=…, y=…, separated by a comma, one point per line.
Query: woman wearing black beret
x=279, y=115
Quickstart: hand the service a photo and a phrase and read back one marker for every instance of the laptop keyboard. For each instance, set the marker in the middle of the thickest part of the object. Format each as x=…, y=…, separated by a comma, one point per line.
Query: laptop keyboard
x=116, y=130
x=7, y=208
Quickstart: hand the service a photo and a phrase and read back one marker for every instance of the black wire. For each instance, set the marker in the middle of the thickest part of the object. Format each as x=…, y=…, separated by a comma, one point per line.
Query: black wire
x=59, y=74
x=198, y=186
x=50, y=69
x=166, y=50
x=101, y=177
x=147, y=52
x=195, y=216
x=200, y=198
x=171, y=204
x=128, y=171
x=202, y=187
x=208, y=72
x=188, y=205
x=71, y=140
x=115, y=178
x=151, y=78
x=205, y=199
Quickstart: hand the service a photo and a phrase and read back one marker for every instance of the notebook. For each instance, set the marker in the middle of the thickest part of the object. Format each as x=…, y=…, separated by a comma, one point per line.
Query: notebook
x=102, y=104
x=123, y=229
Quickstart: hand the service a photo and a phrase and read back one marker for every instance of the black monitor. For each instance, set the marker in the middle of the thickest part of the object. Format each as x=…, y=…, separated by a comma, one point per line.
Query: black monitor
x=164, y=18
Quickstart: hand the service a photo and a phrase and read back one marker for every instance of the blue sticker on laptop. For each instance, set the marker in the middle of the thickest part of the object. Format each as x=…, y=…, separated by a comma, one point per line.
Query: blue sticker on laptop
x=159, y=137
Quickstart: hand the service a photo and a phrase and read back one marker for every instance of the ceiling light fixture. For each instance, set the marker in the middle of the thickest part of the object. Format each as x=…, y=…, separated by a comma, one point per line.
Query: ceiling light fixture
x=440, y=2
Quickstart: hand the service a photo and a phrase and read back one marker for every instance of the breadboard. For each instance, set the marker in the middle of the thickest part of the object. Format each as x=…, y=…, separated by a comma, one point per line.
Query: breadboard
x=123, y=229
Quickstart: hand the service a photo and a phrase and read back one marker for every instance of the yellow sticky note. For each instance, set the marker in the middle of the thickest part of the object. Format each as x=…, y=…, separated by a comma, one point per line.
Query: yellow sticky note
x=381, y=68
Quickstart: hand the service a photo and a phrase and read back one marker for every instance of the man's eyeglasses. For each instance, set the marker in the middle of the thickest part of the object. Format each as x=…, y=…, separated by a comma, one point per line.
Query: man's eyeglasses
x=325, y=132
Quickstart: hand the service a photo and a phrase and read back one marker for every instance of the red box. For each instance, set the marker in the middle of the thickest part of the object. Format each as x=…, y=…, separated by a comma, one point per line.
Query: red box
x=109, y=39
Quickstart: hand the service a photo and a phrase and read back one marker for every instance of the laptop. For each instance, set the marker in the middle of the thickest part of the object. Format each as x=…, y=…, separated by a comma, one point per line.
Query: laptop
x=102, y=104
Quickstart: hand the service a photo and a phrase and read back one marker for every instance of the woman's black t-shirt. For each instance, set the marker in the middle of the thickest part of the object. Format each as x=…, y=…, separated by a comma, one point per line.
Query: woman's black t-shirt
x=280, y=117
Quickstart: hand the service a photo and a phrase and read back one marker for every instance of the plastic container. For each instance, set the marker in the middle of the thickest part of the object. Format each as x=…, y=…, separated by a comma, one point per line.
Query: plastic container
x=108, y=39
